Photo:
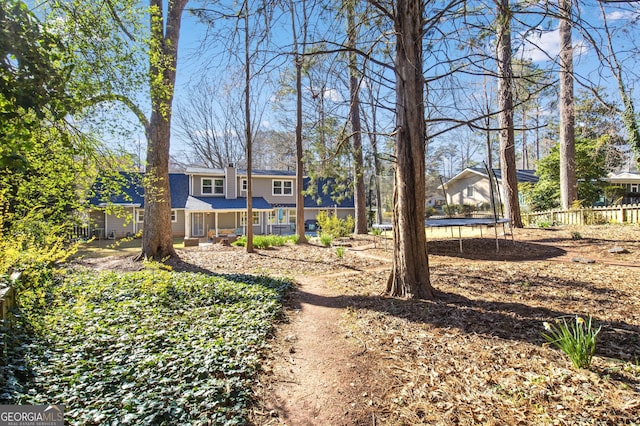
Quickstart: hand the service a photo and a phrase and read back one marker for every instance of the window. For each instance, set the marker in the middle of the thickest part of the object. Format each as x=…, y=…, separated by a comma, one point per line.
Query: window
x=140, y=216
x=212, y=186
x=470, y=191
x=174, y=216
x=207, y=186
x=218, y=186
x=282, y=187
x=256, y=218
x=243, y=185
x=634, y=187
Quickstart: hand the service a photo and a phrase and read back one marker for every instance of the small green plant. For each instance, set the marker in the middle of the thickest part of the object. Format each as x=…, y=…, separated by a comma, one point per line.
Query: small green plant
x=575, y=235
x=326, y=239
x=576, y=339
x=543, y=223
x=340, y=252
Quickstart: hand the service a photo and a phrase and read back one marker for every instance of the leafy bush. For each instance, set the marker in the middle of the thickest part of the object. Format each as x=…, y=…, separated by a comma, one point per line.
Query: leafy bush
x=33, y=248
x=326, y=239
x=150, y=347
x=340, y=252
x=333, y=226
x=450, y=209
x=264, y=241
x=577, y=340
x=430, y=211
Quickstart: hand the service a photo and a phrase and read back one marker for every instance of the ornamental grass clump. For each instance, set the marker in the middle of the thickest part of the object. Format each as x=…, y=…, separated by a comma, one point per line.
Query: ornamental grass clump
x=576, y=339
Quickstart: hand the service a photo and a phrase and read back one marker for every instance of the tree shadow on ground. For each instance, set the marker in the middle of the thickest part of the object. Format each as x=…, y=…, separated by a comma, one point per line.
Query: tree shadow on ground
x=513, y=321
x=485, y=249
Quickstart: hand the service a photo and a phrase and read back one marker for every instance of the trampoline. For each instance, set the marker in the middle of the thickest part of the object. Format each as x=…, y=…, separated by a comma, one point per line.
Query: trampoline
x=493, y=220
x=459, y=222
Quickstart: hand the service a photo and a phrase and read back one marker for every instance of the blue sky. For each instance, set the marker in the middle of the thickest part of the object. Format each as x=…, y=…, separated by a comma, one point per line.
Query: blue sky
x=191, y=59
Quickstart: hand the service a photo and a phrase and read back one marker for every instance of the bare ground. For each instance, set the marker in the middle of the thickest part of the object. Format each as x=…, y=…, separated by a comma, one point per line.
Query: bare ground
x=347, y=356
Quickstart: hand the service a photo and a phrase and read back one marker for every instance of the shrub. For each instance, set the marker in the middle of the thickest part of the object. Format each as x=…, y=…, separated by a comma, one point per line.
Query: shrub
x=450, y=209
x=576, y=339
x=264, y=241
x=33, y=248
x=430, y=211
x=340, y=252
x=335, y=227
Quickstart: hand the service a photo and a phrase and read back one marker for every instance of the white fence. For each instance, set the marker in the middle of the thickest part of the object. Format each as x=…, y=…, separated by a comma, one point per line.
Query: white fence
x=625, y=213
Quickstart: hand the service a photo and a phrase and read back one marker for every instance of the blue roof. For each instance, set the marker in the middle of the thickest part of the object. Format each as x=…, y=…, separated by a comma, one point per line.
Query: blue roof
x=179, y=184
x=522, y=175
x=321, y=197
x=221, y=203
x=131, y=190
x=123, y=188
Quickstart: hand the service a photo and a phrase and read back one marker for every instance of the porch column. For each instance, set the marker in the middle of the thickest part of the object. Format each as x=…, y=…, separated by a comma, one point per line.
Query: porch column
x=187, y=224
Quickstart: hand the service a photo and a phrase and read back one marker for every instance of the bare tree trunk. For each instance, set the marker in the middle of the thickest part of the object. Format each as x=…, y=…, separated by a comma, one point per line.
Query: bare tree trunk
x=248, y=135
x=537, y=129
x=505, y=106
x=377, y=167
x=487, y=125
x=302, y=239
x=157, y=239
x=356, y=127
x=568, y=182
x=525, y=148
x=410, y=274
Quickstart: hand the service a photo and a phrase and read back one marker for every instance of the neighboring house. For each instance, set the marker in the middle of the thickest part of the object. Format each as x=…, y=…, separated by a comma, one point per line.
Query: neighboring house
x=472, y=186
x=210, y=202
x=630, y=182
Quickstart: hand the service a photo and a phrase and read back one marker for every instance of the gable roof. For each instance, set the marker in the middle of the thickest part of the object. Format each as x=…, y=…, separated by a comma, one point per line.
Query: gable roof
x=131, y=192
x=623, y=177
x=522, y=175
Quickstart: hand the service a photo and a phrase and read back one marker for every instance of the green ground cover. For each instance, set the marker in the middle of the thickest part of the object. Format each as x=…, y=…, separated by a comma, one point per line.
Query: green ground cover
x=150, y=347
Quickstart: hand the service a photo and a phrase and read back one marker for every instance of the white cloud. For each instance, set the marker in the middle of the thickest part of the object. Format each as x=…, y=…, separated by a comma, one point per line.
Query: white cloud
x=541, y=46
x=545, y=45
x=620, y=14
x=333, y=95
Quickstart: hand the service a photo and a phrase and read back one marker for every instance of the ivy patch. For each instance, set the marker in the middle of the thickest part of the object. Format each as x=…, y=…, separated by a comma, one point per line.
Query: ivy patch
x=150, y=347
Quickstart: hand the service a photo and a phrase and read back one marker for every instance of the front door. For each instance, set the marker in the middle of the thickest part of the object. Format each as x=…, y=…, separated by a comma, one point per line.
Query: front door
x=197, y=224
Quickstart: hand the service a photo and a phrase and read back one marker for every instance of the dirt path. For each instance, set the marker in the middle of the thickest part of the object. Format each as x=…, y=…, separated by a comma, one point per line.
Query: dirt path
x=318, y=374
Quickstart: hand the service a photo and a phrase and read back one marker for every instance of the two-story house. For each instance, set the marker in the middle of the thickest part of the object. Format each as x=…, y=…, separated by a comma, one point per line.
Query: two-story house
x=210, y=202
